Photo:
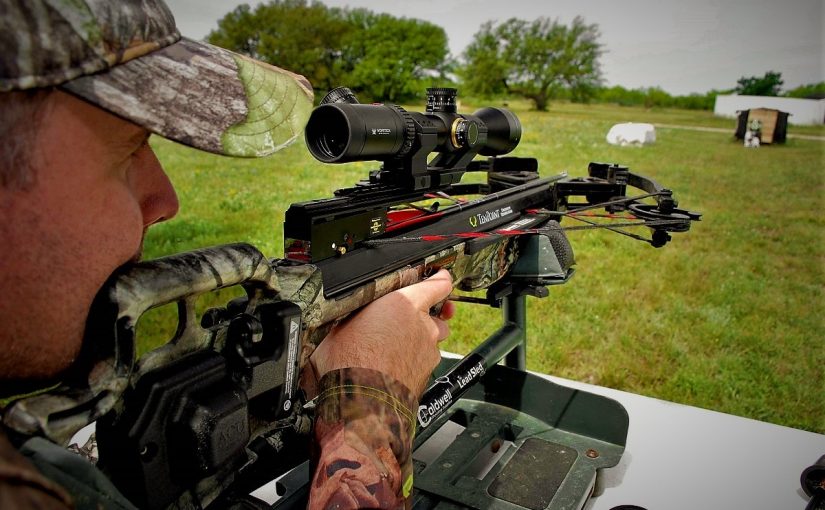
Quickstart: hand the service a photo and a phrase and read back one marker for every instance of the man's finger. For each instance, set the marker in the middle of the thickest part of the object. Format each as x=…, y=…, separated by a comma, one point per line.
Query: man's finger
x=427, y=293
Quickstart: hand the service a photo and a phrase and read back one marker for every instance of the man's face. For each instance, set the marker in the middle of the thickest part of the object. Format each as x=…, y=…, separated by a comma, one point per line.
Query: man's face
x=97, y=187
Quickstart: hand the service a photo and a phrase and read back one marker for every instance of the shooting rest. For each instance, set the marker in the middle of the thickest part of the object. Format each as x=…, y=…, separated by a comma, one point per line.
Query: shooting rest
x=514, y=440
x=545, y=455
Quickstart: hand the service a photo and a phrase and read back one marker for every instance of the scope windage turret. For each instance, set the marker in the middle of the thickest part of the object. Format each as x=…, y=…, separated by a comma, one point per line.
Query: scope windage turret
x=341, y=129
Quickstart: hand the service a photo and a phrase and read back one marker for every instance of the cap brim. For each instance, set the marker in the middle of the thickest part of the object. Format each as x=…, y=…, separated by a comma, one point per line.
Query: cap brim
x=205, y=97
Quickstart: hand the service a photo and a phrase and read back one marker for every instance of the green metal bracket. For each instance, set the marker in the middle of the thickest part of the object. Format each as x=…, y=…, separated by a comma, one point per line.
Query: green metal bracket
x=555, y=439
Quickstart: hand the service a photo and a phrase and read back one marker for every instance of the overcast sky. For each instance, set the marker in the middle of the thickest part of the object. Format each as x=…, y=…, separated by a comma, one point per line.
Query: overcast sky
x=682, y=46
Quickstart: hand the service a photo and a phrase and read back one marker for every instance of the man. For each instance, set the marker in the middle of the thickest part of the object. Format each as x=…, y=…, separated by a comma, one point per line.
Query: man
x=82, y=86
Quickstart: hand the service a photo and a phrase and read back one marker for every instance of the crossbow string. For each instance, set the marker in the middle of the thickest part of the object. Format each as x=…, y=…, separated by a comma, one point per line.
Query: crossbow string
x=661, y=222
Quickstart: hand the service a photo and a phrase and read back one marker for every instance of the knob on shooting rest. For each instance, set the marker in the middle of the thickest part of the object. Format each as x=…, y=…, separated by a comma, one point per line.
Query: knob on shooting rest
x=813, y=483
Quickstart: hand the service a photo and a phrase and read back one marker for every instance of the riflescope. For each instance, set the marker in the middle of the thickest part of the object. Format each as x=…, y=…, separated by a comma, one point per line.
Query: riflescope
x=341, y=130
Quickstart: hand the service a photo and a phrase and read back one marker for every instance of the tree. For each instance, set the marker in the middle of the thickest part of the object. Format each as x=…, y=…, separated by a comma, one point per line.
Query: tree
x=535, y=59
x=486, y=69
x=384, y=57
x=768, y=85
x=392, y=58
x=293, y=34
x=809, y=91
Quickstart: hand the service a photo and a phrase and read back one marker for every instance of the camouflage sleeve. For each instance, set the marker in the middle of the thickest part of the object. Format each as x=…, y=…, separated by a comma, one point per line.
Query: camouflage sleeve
x=362, y=454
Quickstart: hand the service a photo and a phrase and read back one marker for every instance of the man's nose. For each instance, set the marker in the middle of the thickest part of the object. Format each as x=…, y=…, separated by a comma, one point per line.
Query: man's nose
x=158, y=200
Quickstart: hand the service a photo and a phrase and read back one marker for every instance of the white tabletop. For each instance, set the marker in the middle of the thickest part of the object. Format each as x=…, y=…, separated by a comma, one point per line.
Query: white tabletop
x=682, y=457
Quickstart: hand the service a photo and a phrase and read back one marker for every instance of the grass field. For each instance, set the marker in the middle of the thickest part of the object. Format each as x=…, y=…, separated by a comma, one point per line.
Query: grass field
x=728, y=316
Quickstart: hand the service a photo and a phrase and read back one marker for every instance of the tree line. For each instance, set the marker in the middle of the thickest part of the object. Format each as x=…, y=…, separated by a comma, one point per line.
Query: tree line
x=386, y=58
x=768, y=85
x=378, y=55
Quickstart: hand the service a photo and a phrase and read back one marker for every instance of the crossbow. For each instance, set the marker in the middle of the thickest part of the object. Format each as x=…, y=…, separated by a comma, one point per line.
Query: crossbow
x=219, y=411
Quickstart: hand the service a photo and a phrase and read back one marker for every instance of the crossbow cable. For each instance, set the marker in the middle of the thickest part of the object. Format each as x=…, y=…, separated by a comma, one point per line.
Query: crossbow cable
x=642, y=215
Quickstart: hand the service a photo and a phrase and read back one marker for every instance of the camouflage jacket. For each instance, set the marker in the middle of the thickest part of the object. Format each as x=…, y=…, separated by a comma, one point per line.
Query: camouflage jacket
x=362, y=453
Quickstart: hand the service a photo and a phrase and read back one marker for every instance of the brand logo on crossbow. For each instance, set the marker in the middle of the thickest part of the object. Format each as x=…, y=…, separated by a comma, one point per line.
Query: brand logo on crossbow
x=488, y=216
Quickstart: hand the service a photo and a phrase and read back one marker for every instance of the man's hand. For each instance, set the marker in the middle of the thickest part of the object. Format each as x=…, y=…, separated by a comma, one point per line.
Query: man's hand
x=395, y=335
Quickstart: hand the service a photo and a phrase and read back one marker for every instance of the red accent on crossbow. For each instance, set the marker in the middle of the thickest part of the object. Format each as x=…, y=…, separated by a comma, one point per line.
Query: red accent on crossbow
x=405, y=218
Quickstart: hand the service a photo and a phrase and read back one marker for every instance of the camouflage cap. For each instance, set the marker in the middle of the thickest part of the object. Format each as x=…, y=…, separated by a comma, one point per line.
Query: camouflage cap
x=128, y=57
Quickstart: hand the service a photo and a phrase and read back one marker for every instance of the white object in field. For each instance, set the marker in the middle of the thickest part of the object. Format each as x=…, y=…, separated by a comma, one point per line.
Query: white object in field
x=751, y=139
x=631, y=133
x=753, y=135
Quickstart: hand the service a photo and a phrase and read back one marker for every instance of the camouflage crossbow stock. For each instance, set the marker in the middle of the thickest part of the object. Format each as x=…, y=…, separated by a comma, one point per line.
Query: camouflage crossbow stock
x=180, y=423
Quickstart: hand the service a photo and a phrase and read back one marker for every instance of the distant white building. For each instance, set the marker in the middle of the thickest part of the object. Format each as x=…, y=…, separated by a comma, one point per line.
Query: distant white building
x=803, y=111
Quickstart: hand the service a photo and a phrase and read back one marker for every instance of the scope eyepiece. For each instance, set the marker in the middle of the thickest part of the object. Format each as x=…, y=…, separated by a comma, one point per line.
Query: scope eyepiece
x=344, y=132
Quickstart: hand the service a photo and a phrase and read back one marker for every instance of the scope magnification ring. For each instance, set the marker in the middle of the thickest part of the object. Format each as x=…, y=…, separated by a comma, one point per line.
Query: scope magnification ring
x=409, y=131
